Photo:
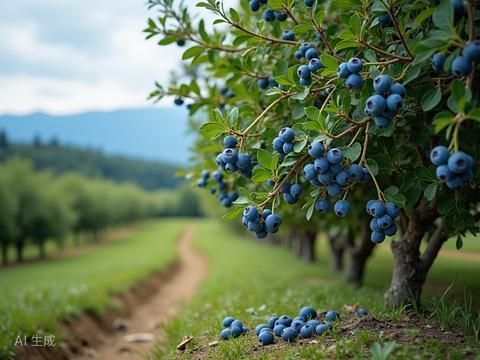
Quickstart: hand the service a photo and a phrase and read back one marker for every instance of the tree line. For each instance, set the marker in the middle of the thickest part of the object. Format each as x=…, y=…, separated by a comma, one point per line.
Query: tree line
x=38, y=206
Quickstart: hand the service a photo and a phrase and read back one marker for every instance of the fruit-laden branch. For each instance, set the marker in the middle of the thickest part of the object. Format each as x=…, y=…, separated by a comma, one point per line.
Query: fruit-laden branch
x=383, y=52
x=264, y=112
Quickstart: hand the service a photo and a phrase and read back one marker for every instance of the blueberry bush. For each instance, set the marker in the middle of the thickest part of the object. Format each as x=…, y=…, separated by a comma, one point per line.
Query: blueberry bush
x=359, y=114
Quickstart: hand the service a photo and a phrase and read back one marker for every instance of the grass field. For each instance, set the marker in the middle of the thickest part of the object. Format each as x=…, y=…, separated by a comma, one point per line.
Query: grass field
x=36, y=296
x=251, y=282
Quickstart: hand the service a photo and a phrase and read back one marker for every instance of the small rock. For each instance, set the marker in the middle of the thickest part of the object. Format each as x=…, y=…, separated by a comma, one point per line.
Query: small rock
x=213, y=343
x=140, y=337
x=120, y=325
x=90, y=353
x=124, y=349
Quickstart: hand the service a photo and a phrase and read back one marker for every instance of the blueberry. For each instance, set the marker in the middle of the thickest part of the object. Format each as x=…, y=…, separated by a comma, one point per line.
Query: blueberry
x=467, y=175
x=271, y=322
x=289, y=199
x=399, y=89
x=300, y=317
x=382, y=84
x=472, y=51
x=289, y=334
x=356, y=171
x=461, y=66
x=280, y=16
x=222, y=186
x=305, y=82
x=385, y=221
x=288, y=35
x=320, y=329
x=334, y=190
x=342, y=208
x=309, y=3
x=217, y=175
x=272, y=223
x=342, y=178
x=439, y=155
x=308, y=312
x=334, y=156
x=244, y=161
x=391, y=230
x=382, y=122
x=355, y=65
x=375, y=105
x=322, y=205
x=306, y=331
x=178, y=101
x=361, y=312
x=226, y=202
x=443, y=173
x=374, y=225
x=342, y=71
x=260, y=327
x=213, y=190
x=377, y=237
x=394, y=102
x=458, y=7
x=227, y=321
x=265, y=338
x=286, y=188
x=278, y=329
x=309, y=172
x=304, y=47
x=384, y=19
x=223, y=90
x=245, y=330
x=332, y=315
x=392, y=210
x=365, y=177
x=458, y=162
x=311, y=54
x=369, y=204
x=262, y=83
x=298, y=54
x=315, y=64
x=313, y=323
x=321, y=165
x=266, y=330
x=277, y=144
x=231, y=167
x=201, y=183
x=230, y=142
x=255, y=226
x=181, y=42
x=225, y=334
x=325, y=178
x=377, y=209
x=455, y=182
x=236, y=331
x=286, y=135
x=303, y=72
x=251, y=213
x=284, y=320
x=297, y=324
x=354, y=82
x=254, y=5
x=266, y=213
x=229, y=156
x=287, y=148
x=438, y=60
x=296, y=190
x=268, y=15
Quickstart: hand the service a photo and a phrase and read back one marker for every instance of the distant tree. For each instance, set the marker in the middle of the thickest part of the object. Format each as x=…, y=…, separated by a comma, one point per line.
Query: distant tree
x=3, y=140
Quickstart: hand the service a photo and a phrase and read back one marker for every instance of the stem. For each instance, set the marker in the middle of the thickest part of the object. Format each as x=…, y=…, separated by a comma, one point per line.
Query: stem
x=471, y=22
x=324, y=38
x=399, y=31
x=264, y=112
x=383, y=52
x=365, y=145
x=354, y=138
x=289, y=13
x=379, y=192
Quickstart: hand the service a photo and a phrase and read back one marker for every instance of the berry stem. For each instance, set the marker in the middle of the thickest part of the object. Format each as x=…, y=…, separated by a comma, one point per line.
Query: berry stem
x=379, y=192
x=365, y=146
x=262, y=114
x=383, y=52
x=290, y=14
x=399, y=31
x=323, y=36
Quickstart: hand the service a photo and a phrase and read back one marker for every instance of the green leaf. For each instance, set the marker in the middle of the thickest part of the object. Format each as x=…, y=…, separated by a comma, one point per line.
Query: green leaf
x=459, y=242
x=430, y=191
x=202, y=32
x=474, y=115
x=443, y=16
x=346, y=44
x=232, y=214
x=191, y=52
x=441, y=120
x=458, y=93
x=372, y=166
x=431, y=99
x=309, y=213
x=312, y=113
x=329, y=62
x=301, y=95
x=233, y=117
x=260, y=174
x=412, y=73
x=273, y=91
x=355, y=24
x=211, y=129
x=352, y=152
x=234, y=15
x=265, y=159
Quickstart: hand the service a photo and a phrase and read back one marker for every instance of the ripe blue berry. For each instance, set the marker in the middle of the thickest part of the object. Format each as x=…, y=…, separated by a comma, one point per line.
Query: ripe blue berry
x=307, y=331
x=399, y=89
x=391, y=230
x=262, y=83
x=230, y=142
x=461, y=66
x=231, y=167
x=303, y=72
x=289, y=334
x=343, y=71
x=342, y=208
x=251, y=213
x=455, y=182
x=385, y=221
x=459, y=8
x=308, y=312
x=265, y=338
x=459, y=162
x=304, y=47
x=321, y=165
x=382, y=122
x=298, y=54
x=384, y=19
x=236, y=331
x=377, y=237
x=284, y=320
x=394, y=102
x=309, y=3
x=325, y=178
x=332, y=315
x=268, y=15
x=296, y=190
x=277, y=144
x=261, y=234
x=278, y=329
x=439, y=155
x=472, y=51
x=375, y=105
x=280, y=16
x=272, y=223
x=181, y=42
x=229, y=156
x=313, y=323
x=286, y=135
x=297, y=324
x=320, y=329
x=287, y=148
x=342, y=178
x=443, y=173
x=356, y=172
x=244, y=161
x=361, y=312
x=225, y=334
x=259, y=328
x=288, y=35
x=382, y=84
x=227, y=321
x=255, y=226
x=334, y=190
x=316, y=150
x=322, y=205
x=311, y=53
x=354, y=82
x=178, y=101
x=355, y=65
x=377, y=209
x=271, y=322
x=334, y=156
x=315, y=64
x=254, y=5
x=374, y=225
x=305, y=81
x=309, y=172
x=438, y=60
x=392, y=210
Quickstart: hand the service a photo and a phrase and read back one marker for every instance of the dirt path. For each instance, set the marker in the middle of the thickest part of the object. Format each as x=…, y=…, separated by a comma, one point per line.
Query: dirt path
x=148, y=318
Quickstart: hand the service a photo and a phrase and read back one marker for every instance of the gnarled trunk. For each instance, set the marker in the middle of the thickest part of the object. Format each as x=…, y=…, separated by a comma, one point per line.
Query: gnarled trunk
x=337, y=248
x=358, y=254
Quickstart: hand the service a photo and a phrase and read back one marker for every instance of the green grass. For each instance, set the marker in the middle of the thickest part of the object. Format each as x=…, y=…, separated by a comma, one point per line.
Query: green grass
x=37, y=296
x=251, y=282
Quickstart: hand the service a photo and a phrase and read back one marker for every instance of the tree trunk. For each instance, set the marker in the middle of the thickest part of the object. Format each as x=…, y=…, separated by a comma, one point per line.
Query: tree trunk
x=358, y=255
x=409, y=268
x=4, y=253
x=19, y=247
x=307, y=244
x=337, y=248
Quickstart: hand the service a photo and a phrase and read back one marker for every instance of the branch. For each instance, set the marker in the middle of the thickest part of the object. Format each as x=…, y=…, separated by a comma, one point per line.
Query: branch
x=264, y=112
x=400, y=34
x=383, y=52
x=365, y=146
x=433, y=247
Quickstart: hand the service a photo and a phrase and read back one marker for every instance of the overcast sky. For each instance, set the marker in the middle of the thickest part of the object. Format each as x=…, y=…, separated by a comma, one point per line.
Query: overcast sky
x=67, y=56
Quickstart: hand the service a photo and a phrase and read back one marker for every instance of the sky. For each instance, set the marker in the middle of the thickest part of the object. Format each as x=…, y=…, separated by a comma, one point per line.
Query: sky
x=70, y=56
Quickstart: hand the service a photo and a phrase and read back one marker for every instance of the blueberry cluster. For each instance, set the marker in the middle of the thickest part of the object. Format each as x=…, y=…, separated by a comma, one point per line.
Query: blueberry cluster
x=383, y=223
x=232, y=328
x=291, y=192
x=455, y=169
x=261, y=223
x=350, y=72
x=226, y=92
x=225, y=197
x=461, y=65
x=283, y=143
x=232, y=161
x=387, y=100
x=385, y=19
x=255, y=5
x=305, y=72
x=265, y=83
x=327, y=170
x=270, y=15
